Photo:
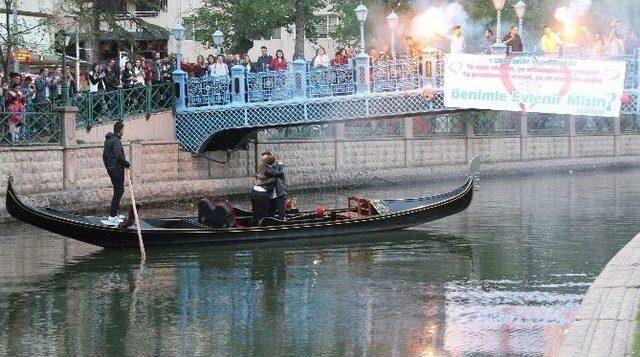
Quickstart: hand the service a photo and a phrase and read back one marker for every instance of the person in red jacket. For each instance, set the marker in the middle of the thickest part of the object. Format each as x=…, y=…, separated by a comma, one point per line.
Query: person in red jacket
x=278, y=63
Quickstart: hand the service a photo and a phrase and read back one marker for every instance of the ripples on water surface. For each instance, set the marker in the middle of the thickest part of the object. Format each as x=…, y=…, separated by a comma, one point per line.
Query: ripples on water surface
x=504, y=277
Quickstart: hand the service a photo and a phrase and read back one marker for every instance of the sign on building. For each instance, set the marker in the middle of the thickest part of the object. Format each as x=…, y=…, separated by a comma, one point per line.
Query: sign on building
x=534, y=84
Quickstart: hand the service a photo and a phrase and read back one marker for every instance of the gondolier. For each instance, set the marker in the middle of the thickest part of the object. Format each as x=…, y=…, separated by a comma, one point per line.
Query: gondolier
x=115, y=162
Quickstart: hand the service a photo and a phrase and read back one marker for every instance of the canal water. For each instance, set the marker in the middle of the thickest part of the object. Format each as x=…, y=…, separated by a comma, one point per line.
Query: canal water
x=504, y=277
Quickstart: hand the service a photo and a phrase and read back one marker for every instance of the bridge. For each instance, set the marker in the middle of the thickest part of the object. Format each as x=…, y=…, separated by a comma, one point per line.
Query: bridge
x=217, y=113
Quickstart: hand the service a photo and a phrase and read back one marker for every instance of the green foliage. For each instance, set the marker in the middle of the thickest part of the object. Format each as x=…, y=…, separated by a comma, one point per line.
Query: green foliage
x=242, y=21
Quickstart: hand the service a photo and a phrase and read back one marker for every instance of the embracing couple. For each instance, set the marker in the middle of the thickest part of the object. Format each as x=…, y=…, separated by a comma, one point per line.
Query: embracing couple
x=271, y=179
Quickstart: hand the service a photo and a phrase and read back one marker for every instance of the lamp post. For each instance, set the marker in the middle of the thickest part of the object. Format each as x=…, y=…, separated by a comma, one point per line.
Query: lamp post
x=62, y=44
x=361, y=14
x=179, y=76
x=218, y=38
x=499, y=6
x=499, y=47
x=521, y=8
x=16, y=64
x=392, y=21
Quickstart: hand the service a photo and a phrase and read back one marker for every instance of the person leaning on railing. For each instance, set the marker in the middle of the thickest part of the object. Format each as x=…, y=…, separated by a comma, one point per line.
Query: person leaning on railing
x=278, y=63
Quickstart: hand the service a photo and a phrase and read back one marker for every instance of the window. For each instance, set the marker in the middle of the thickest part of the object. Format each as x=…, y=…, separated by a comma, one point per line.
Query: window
x=150, y=8
x=326, y=25
x=276, y=34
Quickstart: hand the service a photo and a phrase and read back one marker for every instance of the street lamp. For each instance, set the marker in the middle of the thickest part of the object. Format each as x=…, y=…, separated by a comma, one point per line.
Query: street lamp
x=392, y=21
x=499, y=6
x=179, y=76
x=61, y=43
x=520, y=7
x=218, y=38
x=361, y=14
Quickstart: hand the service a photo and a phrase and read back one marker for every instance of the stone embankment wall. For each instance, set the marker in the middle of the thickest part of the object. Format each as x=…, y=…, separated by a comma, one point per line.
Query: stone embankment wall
x=71, y=176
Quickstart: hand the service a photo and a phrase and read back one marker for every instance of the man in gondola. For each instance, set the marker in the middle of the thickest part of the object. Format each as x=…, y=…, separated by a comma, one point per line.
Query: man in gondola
x=115, y=162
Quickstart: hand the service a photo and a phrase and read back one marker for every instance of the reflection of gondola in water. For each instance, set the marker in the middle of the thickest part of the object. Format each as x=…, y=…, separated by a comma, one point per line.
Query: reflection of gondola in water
x=363, y=217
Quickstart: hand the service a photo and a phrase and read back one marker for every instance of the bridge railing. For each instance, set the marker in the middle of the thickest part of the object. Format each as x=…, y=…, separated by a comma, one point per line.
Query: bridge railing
x=30, y=128
x=301, y=81
x=102, y=107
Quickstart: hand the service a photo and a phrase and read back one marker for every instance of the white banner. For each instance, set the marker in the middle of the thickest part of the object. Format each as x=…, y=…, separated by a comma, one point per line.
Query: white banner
x=534, y=84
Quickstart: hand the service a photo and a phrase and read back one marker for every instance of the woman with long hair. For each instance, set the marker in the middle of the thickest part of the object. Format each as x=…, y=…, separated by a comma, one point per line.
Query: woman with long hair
x=321, y=59
x=138, y=72
x=278, y=63
x=200, y=67
x=128, y=76
x=220, y=68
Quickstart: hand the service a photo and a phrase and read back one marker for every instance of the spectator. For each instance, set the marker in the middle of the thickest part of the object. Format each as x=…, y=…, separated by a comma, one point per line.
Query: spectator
x=412, y=48
x=15, y=102
x=42, y=85
x=55, y=85
x=615, y=44
x=596, y=44
x=246, y=61
x=236, y=60
x=513, y=40
x=200, y=67
x=264, y=60
x=321, y=59
x=167, y=68
x=71, y=83
x=550, y=42
x=219, y=68
x=112, y=77
x=157, y=67
x=211, y=63
x=373, y=55
x=340, y=58
x=456, y=41
x=128, y=77
x=96, y=79
x=278, y=63
x=147, y=70
x=27, y=89
x=138, y=73
x=487, y=41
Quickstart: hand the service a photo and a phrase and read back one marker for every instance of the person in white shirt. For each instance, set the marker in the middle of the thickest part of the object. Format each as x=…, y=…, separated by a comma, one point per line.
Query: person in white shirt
x=219, y=68
x=138, y=73
x=321, y=59
x=456, y=42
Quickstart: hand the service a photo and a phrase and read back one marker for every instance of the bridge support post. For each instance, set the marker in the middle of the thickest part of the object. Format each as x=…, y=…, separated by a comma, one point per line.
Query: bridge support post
x=408, y=142
x=340, y=137
x=69, y=145
x=180, y=79
x=468, y=143
x=572, y=136
x=616, y=136
x=363, y=74
x=300, y=79
x=524, y=134
x=238, y=84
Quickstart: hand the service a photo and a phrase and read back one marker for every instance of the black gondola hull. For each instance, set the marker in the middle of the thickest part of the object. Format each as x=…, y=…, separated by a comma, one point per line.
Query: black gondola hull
x=109, y=237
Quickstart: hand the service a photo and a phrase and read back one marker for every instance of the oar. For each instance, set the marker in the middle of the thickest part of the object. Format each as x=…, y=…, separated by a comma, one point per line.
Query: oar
x=143, y=255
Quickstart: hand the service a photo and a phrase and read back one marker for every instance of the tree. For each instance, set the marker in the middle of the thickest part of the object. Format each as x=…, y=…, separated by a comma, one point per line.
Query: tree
x=12, y=36
x=243, y=21
x=112, y=16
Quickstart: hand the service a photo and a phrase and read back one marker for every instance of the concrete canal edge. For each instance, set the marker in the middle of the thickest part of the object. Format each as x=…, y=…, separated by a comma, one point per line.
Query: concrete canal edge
x=606, y=323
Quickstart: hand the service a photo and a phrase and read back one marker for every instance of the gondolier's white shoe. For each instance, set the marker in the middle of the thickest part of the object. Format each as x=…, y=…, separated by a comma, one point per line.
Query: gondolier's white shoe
x=114, y=220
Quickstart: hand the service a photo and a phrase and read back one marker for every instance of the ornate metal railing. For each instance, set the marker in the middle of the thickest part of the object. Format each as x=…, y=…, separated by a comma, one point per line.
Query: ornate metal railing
x=630, y=123
x=594, y=125
x=450, y=124
x=386, y=128
x=30, y=128
x=330, y=81
x=270, y=86
x=496, y=124
x=121, y=104
x=547, y=124
x=396, y=75
x=207, y=90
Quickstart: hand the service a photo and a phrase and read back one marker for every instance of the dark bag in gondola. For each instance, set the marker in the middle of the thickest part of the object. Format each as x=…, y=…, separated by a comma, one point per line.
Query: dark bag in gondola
x=215, y=214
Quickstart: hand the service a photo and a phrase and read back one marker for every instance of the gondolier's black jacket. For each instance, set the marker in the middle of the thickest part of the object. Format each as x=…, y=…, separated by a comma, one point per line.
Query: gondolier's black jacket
x=113, y=154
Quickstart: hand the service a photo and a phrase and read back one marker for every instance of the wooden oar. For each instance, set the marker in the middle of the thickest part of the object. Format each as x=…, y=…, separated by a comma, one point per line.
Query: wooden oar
x=143, y=255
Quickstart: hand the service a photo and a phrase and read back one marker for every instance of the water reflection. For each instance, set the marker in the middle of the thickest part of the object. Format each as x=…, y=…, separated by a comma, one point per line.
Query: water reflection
x=504, y=277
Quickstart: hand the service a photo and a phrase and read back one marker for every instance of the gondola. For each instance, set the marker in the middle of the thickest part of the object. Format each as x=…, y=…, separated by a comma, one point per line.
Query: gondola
x=360, y=217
